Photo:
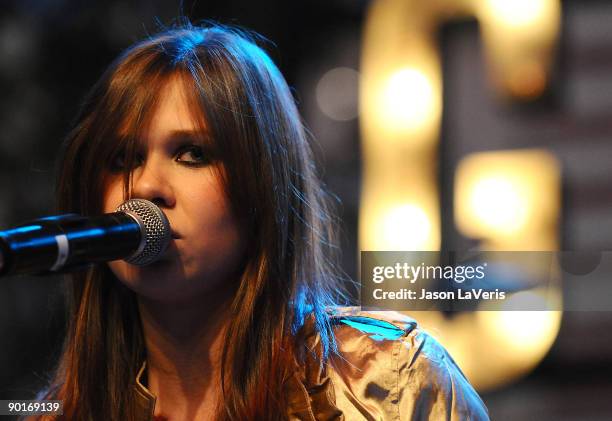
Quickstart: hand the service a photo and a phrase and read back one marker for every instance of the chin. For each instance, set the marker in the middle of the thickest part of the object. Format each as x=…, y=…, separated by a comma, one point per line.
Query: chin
x=140, y=277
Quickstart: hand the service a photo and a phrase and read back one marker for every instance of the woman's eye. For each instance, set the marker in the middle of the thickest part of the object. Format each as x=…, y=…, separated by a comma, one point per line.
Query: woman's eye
x=192, y=155
x=118, y=163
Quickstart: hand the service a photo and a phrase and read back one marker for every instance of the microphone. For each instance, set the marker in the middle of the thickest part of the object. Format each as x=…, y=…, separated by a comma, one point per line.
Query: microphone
x=137, y=232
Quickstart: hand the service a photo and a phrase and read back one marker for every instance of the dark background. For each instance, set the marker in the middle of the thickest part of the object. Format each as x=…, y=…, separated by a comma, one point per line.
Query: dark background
x=51, y=52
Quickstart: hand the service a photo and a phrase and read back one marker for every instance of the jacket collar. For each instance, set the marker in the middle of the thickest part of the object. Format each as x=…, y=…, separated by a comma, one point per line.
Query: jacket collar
x=145, y=400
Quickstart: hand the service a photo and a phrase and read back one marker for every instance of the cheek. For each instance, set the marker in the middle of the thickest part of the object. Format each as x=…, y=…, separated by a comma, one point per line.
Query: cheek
x=213, y=212
x=113, y=195
x=214, y=234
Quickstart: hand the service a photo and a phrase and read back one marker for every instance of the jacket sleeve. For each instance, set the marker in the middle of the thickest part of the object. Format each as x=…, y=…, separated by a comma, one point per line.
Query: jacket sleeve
x=431, y=385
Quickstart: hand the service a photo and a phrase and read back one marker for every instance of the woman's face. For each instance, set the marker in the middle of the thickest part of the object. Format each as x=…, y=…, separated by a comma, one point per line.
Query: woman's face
x=173, y=171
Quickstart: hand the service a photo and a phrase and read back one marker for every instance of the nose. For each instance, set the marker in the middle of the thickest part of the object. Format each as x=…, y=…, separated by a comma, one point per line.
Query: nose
x=150, y=182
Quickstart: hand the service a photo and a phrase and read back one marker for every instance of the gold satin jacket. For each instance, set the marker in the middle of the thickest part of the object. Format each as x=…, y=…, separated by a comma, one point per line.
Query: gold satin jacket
x=387, y=369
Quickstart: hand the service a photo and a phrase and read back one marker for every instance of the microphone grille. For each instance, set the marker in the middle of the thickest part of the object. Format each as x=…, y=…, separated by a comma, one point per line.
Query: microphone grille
x=154, y=228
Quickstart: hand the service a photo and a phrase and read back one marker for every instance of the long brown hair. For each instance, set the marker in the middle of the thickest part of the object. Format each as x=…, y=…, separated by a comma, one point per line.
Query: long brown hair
x=270, y=180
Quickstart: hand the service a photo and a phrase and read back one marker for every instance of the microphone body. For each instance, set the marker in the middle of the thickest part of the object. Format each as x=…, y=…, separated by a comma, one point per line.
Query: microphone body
x=139, y=233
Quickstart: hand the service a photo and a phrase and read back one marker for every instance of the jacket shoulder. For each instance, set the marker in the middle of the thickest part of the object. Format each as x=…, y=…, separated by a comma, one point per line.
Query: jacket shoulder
x=378, y=325
x=386, y=361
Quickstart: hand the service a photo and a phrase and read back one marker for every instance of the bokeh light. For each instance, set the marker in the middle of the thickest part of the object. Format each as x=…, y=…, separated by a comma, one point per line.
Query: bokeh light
x=508, y=194
x=499, y=204
x=408, y=100
x=518, y=13
x=337, y=93
x=406, y=227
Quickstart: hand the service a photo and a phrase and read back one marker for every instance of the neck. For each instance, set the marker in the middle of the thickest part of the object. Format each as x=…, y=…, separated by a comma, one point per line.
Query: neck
x=184, y=345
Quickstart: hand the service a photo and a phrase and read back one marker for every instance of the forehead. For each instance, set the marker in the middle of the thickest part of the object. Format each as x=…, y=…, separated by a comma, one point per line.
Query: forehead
x=174, y=110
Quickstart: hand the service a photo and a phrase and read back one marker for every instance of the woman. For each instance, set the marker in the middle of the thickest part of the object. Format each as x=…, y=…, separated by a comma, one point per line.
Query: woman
x=237, y=320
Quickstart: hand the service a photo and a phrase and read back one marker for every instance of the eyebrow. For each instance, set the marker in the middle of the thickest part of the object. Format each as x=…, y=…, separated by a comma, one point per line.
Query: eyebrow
x=178, y=135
